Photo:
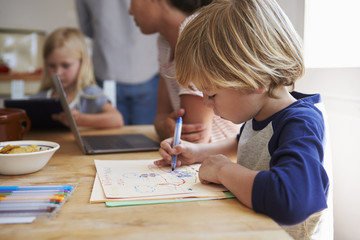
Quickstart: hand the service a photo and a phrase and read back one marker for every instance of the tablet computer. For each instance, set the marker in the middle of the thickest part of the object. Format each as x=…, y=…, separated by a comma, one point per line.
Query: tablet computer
x=39, y=110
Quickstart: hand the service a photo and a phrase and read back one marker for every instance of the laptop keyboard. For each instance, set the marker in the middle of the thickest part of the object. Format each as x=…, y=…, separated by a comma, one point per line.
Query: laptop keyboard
x=107, y=142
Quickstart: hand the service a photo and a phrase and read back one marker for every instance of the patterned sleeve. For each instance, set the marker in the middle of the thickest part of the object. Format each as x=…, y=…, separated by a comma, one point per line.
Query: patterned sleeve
x=92, y=100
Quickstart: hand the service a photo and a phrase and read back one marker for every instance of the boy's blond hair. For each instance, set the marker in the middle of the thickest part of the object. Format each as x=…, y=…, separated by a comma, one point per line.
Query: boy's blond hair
x=240, y=44
x=73, y=40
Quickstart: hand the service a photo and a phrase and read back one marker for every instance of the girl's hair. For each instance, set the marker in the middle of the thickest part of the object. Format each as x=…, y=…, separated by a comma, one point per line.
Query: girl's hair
x=72, y=40
x=239, y=44
x=189, y=6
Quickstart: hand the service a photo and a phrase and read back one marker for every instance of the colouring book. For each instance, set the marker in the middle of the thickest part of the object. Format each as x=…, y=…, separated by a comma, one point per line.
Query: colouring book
x=98, y=196
x=141, y=178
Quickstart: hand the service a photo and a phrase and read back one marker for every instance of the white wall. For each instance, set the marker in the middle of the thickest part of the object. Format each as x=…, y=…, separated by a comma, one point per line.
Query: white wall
x=295, y=11
x=339, y=87
x=340, y=91
x=44, y=15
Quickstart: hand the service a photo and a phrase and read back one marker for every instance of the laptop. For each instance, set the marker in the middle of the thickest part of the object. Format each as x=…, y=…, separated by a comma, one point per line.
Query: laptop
x=39, y=111
x=99, y=144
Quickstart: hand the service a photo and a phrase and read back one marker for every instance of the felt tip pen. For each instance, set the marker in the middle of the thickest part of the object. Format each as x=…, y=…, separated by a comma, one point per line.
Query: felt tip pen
x=32, y=188
x=19, y=198
x=33, y=193
x=177, y=135
x=33, y=201
x=48, y=210
x=22, y=207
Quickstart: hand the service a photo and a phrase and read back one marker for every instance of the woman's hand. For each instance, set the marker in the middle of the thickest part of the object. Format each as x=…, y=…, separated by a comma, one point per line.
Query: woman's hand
x=190, y=132
x=195, y=133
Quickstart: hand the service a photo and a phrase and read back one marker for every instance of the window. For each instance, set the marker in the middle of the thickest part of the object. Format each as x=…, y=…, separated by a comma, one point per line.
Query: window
x=332, y=33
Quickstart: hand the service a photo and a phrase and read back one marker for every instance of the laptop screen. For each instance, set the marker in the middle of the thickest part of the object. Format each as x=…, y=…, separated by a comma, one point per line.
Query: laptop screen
x=60, y=90
x=104, y=143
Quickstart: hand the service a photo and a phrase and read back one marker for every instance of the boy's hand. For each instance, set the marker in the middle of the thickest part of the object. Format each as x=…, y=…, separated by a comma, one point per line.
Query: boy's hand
x=186, y=153
x=210, y=167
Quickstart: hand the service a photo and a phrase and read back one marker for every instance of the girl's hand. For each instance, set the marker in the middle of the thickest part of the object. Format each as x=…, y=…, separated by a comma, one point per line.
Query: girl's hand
x=76, y=115
x=210, y=167
x=61, y=117
x=187, y=153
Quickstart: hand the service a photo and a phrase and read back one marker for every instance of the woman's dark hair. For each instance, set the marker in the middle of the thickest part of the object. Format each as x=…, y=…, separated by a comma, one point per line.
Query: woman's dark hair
x=189, y=6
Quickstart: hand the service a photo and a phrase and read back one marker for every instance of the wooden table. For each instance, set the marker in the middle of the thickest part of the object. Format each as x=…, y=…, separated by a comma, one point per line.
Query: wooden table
x=78, y=219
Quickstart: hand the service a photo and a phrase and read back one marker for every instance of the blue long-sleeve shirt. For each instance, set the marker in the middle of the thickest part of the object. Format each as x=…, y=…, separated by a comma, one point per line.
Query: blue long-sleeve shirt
x=288, y=150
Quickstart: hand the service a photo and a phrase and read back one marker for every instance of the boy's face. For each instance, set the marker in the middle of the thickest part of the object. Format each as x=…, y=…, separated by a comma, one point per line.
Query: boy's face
x=234, y=105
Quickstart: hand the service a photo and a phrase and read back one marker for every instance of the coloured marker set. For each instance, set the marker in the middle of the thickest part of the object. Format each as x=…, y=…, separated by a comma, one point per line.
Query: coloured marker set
x=33, y=201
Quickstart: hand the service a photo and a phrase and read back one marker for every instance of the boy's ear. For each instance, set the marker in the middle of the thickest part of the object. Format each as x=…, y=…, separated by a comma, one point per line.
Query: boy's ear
x=260, y=90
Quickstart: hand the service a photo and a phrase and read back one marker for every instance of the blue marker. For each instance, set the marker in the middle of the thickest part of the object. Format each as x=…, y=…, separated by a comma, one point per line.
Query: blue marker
x=36, y=188
x=177, y=135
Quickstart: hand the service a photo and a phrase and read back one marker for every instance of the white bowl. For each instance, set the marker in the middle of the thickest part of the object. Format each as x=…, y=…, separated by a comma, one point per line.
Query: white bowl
x=23, y=163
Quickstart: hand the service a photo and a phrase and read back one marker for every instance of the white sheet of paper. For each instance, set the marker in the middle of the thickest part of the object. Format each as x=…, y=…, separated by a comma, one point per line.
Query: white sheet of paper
x=141, y=178
x=98, y=196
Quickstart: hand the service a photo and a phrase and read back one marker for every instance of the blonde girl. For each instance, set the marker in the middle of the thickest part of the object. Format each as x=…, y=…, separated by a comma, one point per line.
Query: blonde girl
x=65, y=53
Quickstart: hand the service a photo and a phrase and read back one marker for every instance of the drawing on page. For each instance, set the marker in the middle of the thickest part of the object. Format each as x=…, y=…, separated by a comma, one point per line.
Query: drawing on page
x=136, y=179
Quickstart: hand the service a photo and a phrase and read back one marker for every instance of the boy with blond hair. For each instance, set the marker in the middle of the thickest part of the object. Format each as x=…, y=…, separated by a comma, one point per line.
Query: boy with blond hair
x=244, y=56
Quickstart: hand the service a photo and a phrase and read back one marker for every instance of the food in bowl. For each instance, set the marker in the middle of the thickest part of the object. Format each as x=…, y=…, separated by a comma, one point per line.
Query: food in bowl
x=13, y=149
x=26, y=162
